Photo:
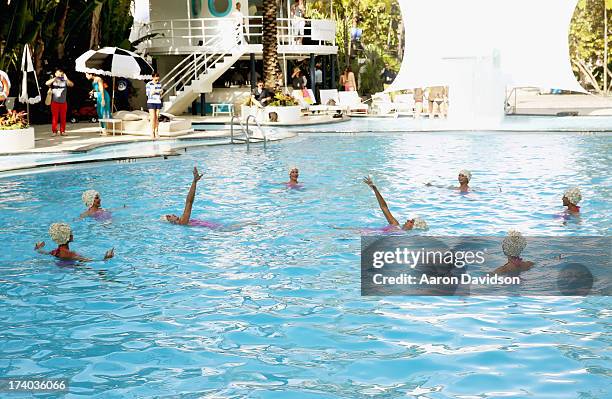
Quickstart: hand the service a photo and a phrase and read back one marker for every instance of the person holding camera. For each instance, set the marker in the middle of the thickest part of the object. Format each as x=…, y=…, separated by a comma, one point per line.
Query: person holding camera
x=58, y=85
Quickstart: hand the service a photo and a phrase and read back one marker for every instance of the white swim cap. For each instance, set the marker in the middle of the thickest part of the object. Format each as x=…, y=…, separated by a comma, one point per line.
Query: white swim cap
x=60, y=233
x=573, y=195
x=89, y=196
x=419, y=224
x=466, y=173
x=514, y=243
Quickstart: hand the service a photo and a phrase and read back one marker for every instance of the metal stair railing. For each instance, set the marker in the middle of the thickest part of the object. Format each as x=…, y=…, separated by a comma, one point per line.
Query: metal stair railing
x=195, y=65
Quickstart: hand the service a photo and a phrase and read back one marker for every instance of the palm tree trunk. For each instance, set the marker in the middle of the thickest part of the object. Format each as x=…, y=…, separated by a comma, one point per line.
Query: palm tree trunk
x=94, y=40
x=270, y=44
x=61, y=28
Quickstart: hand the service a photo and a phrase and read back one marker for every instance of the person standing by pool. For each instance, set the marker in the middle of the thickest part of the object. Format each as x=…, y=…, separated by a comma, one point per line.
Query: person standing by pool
x=58, y=85
x=154, y=103
x=513, y=245
x=418, y=102
x=410, y=224
x=61, y=233
x=103, y=101
x=571, y=198
x=347, y=80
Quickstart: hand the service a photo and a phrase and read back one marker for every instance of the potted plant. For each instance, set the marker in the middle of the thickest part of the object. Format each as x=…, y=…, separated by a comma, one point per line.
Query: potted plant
x=15, y=132
x=283, y=109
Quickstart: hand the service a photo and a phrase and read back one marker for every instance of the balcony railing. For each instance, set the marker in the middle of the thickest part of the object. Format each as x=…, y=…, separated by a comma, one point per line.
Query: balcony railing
x=177, y=33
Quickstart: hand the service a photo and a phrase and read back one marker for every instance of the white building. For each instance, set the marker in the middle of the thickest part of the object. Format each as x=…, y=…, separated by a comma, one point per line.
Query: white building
x=195, y=42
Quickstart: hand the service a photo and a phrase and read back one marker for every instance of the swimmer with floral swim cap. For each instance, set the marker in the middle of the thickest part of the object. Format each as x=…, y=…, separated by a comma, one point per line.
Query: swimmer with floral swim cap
x=513, y=245
x=410, y=224
x=464, y=178
x=61, y=233
x=93, y=202
x=571, y=198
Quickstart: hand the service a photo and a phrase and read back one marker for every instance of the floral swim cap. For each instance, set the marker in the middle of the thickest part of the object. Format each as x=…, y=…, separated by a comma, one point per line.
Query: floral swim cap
x=419, y=224
x=573, y=195
x=89, y=196
x=514, y=244
x=60, y=233
x=466, y=173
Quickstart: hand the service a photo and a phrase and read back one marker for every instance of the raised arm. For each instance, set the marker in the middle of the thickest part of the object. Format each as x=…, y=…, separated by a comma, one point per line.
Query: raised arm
x=190, y=197
x=381, y=202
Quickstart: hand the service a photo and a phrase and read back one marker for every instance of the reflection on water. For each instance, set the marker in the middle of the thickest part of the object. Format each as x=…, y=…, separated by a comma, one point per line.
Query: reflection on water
x=274, y=309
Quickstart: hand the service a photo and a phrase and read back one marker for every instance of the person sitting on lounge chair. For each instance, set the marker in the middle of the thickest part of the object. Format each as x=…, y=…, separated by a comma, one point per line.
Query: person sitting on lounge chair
x=262, y=95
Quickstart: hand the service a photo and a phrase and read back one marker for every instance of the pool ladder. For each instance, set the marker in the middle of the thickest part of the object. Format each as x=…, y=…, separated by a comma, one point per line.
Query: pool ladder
x=248, y=133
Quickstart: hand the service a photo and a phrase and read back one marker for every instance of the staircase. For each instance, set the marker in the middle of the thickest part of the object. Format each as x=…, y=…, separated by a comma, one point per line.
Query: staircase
x=196, y=73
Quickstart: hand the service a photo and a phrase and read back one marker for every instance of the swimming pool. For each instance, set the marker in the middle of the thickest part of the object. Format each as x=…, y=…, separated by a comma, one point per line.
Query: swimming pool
x=273, y=309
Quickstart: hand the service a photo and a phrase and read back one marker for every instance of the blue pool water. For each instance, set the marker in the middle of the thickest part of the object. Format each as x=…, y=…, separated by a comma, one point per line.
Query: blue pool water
x=273, y=309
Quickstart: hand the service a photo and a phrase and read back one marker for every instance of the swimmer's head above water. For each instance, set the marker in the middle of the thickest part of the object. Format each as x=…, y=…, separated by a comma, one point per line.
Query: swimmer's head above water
x=170, y=218
x=91, y=198
x=61, y=233
x=572, y=196
x=294, y=173
x=514, y=244
x=415, y=224
x=464, y=176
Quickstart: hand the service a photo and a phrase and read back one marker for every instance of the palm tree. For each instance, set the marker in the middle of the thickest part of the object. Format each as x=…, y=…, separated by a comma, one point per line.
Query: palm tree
x=270, y=45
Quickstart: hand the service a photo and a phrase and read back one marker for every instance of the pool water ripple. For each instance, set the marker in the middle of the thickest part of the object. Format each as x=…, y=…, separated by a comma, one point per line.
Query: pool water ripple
x=273, y=308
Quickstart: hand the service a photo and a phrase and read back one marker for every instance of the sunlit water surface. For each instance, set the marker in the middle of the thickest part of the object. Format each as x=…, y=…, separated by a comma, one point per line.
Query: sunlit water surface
x=273, y=309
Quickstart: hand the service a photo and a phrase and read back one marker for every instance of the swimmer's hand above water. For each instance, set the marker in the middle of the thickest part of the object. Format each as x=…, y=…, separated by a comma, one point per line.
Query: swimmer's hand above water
x=109, y=254
x=196, y=176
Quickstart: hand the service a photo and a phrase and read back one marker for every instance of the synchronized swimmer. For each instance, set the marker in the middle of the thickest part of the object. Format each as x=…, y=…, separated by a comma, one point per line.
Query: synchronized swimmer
x=464, y=178
x=571, y=198
x=61, y=233
x=185, y=219
x=93, y=202
x=294, y=173
x=410, y=224
x=513, y=244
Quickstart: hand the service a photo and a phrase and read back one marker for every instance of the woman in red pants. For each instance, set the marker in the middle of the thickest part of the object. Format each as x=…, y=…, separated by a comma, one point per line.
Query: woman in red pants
x=59, y=86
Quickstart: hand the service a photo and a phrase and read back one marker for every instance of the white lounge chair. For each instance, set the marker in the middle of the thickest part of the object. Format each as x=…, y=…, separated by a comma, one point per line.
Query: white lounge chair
x=404, y=104
x=352, y=101
x=382, y=104
x=327, y=96
x=137, y=123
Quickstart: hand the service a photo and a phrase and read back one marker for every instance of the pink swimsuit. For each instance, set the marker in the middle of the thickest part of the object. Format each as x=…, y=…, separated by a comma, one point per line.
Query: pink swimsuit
x=204, y=223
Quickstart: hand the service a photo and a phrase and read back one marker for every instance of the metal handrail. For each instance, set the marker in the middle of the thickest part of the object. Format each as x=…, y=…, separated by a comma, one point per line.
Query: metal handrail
x=246, y=134
x=196, y=64
x=184, y=31
x=265, y=139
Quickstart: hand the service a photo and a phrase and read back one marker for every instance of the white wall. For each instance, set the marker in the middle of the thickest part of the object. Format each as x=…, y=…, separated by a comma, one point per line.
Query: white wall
x=169, y=9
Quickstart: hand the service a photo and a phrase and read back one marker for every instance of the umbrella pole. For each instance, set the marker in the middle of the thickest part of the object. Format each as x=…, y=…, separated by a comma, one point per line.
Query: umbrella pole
x=113, y=101
x=28, y=111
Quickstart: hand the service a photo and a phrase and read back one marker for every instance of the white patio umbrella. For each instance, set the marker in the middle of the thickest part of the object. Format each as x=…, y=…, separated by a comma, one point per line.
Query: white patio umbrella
x=115, y=62
x=27, y=72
